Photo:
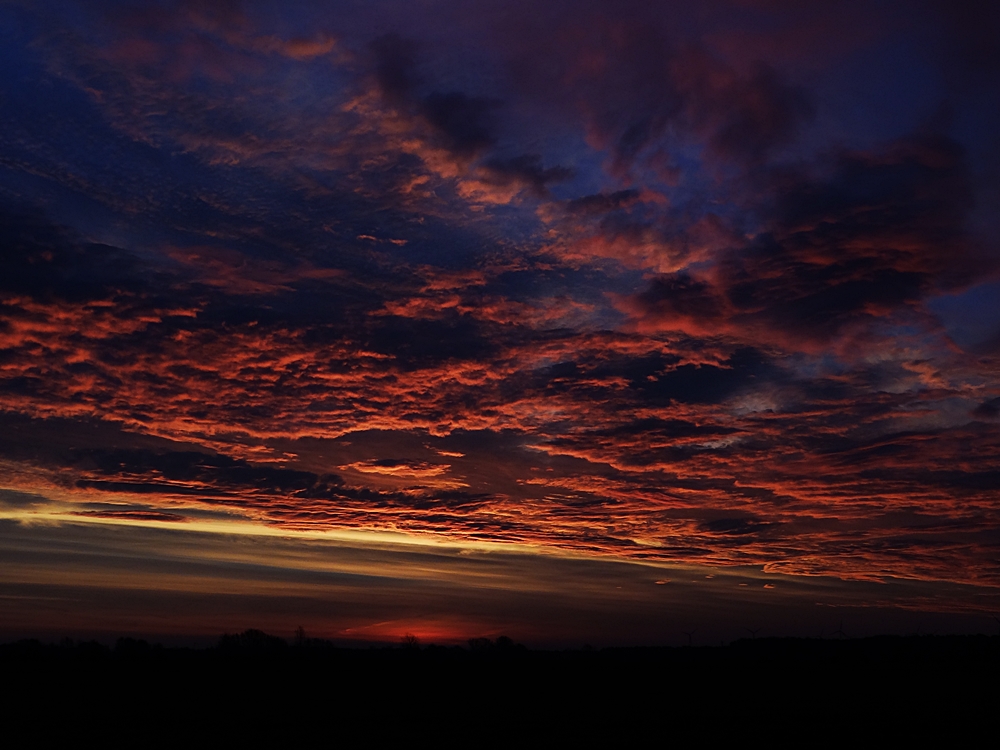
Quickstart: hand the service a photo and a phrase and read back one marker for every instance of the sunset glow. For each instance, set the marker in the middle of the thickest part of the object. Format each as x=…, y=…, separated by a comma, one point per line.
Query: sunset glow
x=591, y=322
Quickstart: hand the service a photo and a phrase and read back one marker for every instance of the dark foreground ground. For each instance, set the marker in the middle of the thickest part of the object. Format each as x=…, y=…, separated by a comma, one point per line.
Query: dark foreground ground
x=257, y=689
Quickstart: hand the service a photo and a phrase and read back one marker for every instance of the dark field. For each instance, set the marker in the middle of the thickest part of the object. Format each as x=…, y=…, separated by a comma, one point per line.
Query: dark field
x=259, y=688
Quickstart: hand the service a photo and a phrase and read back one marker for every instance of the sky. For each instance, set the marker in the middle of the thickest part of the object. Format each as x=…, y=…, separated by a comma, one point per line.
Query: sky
x=584, y=322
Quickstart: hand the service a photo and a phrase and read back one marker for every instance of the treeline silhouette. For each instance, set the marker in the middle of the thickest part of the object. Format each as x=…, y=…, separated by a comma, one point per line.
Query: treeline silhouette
x=871, y=652
x=872, y=649
x=262, y=687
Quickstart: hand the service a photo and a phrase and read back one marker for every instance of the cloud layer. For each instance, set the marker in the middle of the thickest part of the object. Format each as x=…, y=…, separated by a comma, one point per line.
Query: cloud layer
x=656, y=286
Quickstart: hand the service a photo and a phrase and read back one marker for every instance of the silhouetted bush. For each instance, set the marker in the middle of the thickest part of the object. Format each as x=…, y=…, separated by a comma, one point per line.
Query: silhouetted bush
x=134, y=647
x=251, y=640
x=502, y=645
x=302, y=641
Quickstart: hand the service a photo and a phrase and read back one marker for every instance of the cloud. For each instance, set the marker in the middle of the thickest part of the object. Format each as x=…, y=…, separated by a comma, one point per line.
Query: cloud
x=195, y=473
x=18, y=499
x=735, y=526
x=46, y=263
x=526, y=170
x=286, y=269
x=236, y=273
x=395, y=66
x=680, y=301
x=134, y=515
x=462, y=123
x=761, y=113
x=642, y=91
x=867, y=242
x=463, y=126
x=988, y=409
x=602, y=203
x=590, y=405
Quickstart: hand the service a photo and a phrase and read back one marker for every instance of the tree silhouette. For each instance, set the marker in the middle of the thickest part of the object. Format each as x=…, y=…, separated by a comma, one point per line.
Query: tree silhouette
x=251, y=640
x=503, y=644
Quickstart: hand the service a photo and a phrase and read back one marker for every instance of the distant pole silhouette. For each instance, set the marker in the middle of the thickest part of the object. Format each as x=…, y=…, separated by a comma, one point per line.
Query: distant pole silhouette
x=689, y=634
x=840, y=630
x=998, y=624
x=753, y=633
